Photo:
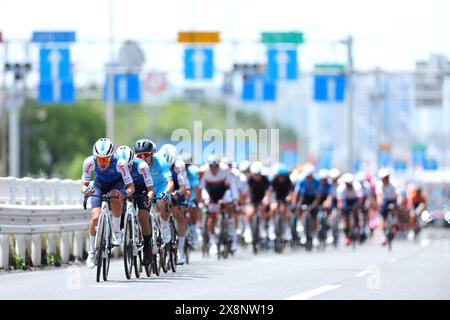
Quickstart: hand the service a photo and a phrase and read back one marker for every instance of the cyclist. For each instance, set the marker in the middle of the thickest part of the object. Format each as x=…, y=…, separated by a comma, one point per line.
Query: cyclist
x=349, y=196
x=111, y=175
x=143, y=184
x=324, y=198
x=417, y=203
x=178, y=169
x=281, y=189
x=162, y=181
x=194, y=195
x=305, y=193
x=387, y=198
x=367, y=196
x=217, y=182
x=259, y=197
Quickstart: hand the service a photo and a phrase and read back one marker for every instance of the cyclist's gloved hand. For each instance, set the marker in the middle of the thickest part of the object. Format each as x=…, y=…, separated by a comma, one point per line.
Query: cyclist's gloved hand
x=88, y=190
x=124, y=193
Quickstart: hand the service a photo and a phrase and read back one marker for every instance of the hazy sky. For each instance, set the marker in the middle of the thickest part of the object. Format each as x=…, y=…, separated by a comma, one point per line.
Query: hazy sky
x=392, y=34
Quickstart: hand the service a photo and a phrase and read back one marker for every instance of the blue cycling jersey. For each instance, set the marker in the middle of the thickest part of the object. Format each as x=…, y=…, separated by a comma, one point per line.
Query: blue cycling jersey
x=192, y=174
x=160, y=172
x=324, y=190
x=109, y=175
x=308, y=188
x=138, y=179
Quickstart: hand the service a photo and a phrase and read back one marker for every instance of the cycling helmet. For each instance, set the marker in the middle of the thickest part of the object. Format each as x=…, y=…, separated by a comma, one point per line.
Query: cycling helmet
x=226, y=161
x=308, y=170
x=169, y=152
x=347, y=178
x=187, y=158
x=383, y=173
x=213, y=160
x=334, y=173
x=281, y=170
x=103, y=148
x=144, y=145
x=244, y=166
x=126, y=153
x=323, y=174
x=256, y=167
x=360, y=176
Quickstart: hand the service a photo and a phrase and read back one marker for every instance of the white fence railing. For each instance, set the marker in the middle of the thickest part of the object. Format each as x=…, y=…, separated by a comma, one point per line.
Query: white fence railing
x=32, y=208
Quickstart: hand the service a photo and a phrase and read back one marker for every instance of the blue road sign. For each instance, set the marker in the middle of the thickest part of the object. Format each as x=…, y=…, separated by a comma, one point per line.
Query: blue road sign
x=55, y=76
x=198, y=63
x=329, y=88
x=259, y=88
x=326, y=157
x=54, y=64
x=56, y=92
x=127, y=88
x=49, y=36
x=282, y=64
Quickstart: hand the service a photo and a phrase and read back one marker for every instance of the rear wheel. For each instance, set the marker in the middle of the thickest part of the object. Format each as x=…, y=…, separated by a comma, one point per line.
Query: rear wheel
x=156, y=264
x=165, y=259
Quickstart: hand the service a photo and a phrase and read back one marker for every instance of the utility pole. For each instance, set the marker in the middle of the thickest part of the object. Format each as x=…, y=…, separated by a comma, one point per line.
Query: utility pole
x=349, y=44
x=110, y=70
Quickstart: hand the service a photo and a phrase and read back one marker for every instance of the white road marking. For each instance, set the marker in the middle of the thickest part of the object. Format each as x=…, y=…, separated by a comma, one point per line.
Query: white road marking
x=425, y=242
x=309, y=294
x=363, y=273
x=109, y=286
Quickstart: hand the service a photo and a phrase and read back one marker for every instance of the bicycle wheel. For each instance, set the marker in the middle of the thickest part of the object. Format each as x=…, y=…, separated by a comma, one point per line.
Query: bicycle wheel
x=107, y=252
x=128, y=248
x=165, y=259
x=186, y=248
x=156, y=264
x=138, y=260
x=173, y=246
x=100, y=247
x=173, y=259
x=255, y=233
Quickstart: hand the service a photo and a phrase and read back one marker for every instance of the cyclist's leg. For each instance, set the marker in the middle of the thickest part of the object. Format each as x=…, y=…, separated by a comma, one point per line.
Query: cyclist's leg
x=116, y=205
x=285, y=214
x=96, y=203
x=229, y=209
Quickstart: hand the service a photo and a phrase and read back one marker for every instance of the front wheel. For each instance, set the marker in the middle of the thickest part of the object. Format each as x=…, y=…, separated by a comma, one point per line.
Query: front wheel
x=128, y=249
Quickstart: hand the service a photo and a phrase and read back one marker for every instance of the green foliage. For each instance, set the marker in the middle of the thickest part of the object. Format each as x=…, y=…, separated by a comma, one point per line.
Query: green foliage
x=52, y=259
x=17, y=262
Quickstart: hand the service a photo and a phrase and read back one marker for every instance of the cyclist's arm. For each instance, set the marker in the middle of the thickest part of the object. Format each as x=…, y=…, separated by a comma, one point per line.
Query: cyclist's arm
x=88, y=167
x=181, y=174
x=122, y=167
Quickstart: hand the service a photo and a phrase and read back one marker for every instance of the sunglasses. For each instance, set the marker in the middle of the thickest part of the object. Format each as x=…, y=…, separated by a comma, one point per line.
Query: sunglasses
x=103, y=159
x=143, y=155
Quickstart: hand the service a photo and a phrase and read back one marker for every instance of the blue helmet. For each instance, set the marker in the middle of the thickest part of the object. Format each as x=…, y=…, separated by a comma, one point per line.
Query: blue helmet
x=282, y=170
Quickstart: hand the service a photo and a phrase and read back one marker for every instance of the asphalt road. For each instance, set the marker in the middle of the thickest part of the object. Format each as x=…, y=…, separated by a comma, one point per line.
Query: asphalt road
x=412, y=270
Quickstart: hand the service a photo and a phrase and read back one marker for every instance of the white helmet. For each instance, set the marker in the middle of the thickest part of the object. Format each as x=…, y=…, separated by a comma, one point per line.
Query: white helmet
x=383, y=172
x=334, y=173
x=256, y=167
x=323, y=174
x=347, y=178
x=308, y=170
x=244, y=166
x=169, y=152
x=126, y=153
x=226, y=161
x=103, y=148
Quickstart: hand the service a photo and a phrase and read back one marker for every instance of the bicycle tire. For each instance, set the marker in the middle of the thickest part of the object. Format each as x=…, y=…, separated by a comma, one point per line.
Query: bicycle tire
x=186, y=249
x=128, y=249
x=173, y=260
x=106, y=260
x=99, y=240
x=255, y=233
x=156, y=264
x=165, y=262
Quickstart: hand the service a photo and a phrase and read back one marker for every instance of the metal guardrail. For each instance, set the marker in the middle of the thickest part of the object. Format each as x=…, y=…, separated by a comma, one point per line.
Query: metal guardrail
x=36, y=207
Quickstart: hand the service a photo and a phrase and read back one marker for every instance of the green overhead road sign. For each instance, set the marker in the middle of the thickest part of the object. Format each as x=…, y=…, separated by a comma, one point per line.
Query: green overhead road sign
x=339, y=68
x=282, y=37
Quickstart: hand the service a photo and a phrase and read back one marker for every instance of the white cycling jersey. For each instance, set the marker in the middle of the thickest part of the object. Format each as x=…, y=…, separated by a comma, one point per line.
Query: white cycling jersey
x=387, y=192
x=241, y=181
x=219, y=185
x=344, y=193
